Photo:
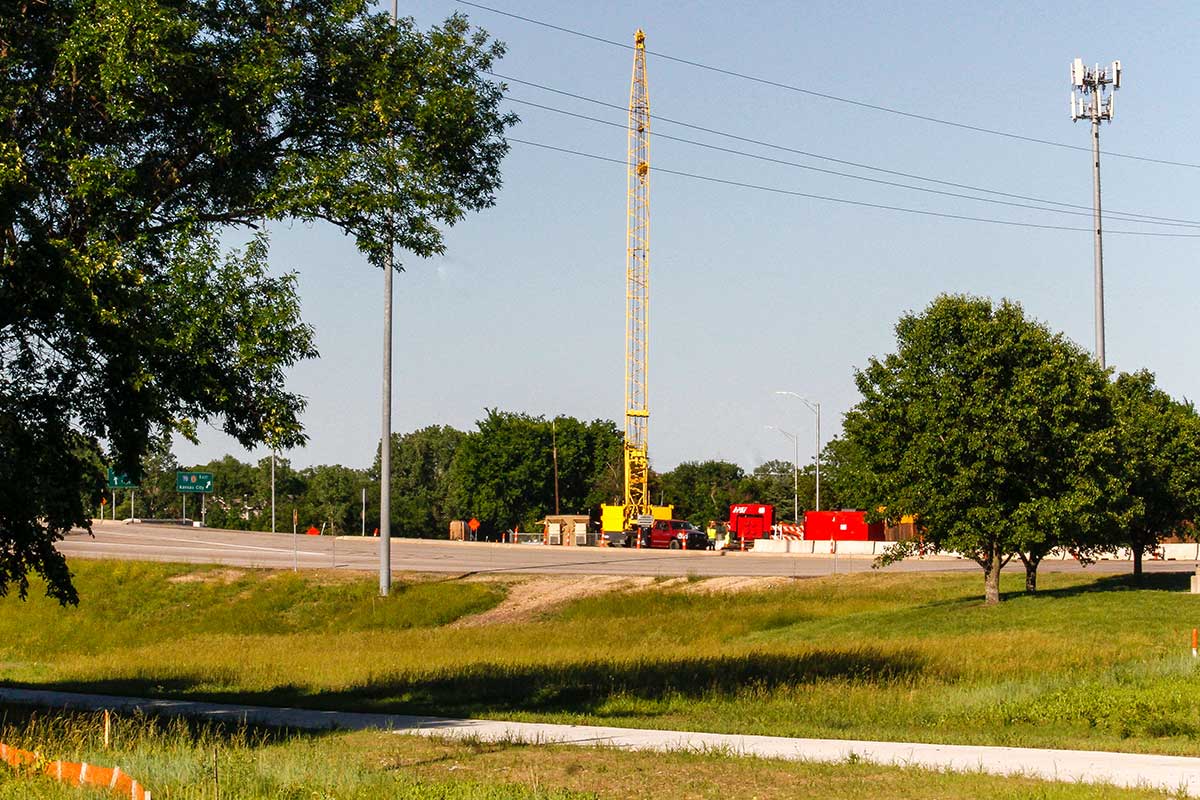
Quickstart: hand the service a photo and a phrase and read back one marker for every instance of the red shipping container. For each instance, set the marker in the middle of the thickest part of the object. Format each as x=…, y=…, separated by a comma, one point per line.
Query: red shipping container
x=843, y=526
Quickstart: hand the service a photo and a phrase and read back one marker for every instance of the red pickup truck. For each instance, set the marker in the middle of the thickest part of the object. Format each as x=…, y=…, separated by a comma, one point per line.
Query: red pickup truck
x=672, y=533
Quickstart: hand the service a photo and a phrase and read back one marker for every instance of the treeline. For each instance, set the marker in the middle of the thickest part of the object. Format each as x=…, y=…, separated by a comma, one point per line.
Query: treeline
x=502, y=473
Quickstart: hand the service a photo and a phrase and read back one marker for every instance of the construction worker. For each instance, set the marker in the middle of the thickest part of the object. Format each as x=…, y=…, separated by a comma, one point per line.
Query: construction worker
x=712, y=535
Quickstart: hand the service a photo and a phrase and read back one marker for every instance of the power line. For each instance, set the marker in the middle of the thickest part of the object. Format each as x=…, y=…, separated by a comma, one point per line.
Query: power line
x=846, y=201
x=832, y=160
x=877, y=181
x=825, y=95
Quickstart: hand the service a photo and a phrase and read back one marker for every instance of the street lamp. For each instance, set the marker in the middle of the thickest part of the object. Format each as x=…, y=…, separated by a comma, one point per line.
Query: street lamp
x=816, y=409
x=795, y=472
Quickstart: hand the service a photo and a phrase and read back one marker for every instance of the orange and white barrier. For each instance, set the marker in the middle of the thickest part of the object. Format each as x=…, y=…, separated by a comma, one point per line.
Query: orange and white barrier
x=72, y=772
x=790, y=531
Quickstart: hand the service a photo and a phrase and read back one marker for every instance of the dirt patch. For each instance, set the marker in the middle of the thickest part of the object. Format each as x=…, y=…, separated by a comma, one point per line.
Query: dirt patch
x=532, y=598
x=527, y=600
x=735, y=583
x=211, y=576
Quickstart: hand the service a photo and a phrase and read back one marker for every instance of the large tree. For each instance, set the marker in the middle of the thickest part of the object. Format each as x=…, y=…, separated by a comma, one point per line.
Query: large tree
x=990, y=428
x=1159, y=446
x=421, y=479
x=133, y=134
x=704, y=490
x=503, y=473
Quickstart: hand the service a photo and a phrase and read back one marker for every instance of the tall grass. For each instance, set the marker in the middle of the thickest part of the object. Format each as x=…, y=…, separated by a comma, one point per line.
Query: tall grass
x=190, y=761
x=1089, y=662
x=179, y=760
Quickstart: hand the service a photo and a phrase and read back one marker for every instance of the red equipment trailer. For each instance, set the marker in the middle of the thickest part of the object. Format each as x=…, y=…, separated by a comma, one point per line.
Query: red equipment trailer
x=844, y=525
x=751, y=521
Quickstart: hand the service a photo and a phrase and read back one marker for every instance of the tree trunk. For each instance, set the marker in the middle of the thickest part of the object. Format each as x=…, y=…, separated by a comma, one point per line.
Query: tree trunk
x=991, y=583
x=1031, y=563
x=1137, y=561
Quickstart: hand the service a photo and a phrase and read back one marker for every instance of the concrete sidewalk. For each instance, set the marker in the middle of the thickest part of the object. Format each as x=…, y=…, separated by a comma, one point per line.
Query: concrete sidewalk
x=1172, y=773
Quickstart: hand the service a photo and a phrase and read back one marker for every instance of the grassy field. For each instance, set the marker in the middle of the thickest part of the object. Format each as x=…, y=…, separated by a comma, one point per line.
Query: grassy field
x=1089, y=662
x=177, y=761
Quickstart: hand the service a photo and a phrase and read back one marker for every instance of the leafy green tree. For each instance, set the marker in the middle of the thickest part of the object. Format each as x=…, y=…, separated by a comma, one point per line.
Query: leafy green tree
x=503, y=473
x=994, y=431
x=133, y=133
x=846, y=479
x=421, y=479
x=334, y=498
x=1159, y=444
x=235, y=501
x=157, y=498
x=703, y=490
x=772, y=482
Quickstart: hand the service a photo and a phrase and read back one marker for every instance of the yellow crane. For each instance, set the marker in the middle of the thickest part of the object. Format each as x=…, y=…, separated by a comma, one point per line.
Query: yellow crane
x=637, y=310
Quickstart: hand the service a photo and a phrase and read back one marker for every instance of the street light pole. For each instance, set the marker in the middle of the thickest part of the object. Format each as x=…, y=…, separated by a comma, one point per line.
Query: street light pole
x=795, y=472
x=385, y=438
x=814, y=407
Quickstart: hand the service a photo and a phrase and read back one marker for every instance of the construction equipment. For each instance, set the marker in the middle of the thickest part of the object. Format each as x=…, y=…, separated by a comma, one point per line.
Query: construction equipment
x=636, y=510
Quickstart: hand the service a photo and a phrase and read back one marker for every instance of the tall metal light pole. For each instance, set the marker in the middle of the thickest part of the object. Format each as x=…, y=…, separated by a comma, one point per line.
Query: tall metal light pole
x=385, y=438
x=1091, y=103
x=816, y=409
x=272, y=490
x=795, y=472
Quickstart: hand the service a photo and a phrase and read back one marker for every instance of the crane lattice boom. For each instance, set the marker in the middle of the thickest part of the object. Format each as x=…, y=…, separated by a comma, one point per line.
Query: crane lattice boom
x=637, y=291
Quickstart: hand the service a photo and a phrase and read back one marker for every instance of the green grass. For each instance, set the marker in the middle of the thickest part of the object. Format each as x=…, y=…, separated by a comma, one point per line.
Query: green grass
x=1089, y=662
x=176, y=761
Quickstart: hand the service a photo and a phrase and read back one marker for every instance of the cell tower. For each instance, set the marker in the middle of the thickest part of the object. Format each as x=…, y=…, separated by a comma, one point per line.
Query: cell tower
x=1088, y=102
x=637, y=291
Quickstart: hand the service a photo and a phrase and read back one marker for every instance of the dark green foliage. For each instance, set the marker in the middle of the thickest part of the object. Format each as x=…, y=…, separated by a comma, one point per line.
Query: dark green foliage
x=1159, y=444
x=703, y=490
x=503, y=473
x=133, y=133
x=421, y=480
x=994, y=431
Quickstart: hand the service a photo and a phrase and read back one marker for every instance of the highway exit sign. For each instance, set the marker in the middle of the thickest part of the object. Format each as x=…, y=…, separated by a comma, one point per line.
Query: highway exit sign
x=195, y=482
x=119, y=480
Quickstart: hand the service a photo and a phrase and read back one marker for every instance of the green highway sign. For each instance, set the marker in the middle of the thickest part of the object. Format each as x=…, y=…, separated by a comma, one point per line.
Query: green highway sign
x=119, y=480
x=195, y=482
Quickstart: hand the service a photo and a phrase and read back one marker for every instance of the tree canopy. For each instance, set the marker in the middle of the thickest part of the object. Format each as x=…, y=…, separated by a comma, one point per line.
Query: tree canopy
x=1158, y=439
x=994, y=431
x=503, y=472
x=133, y=135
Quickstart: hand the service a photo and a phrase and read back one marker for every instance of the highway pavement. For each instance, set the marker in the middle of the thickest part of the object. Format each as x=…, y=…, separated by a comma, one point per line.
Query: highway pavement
x=153, y=542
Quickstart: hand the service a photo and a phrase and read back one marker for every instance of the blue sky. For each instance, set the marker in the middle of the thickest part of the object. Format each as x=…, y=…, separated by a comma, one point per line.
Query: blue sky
x=751, y=291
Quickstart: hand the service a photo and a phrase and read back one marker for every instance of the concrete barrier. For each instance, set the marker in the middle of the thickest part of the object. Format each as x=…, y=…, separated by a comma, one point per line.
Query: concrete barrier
x=855, y=548
x=1181, y=552
x=800, y=547
x=770, y=546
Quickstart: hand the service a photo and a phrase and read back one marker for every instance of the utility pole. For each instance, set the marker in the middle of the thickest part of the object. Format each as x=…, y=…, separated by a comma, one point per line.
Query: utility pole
x=1088, y=100
x=272, y=490
x=385, y=438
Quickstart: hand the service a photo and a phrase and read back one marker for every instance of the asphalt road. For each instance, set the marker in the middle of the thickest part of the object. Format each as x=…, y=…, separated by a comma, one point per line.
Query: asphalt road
x=282, y=551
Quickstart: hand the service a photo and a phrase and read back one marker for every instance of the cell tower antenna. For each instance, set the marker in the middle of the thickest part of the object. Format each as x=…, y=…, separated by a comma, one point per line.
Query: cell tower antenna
x=1088, y=101
x=637, y=292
